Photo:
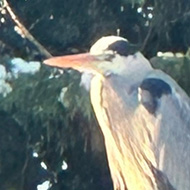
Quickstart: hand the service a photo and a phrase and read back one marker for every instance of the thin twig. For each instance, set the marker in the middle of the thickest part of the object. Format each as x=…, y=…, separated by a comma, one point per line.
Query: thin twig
x=146, y=38
x=24, y=32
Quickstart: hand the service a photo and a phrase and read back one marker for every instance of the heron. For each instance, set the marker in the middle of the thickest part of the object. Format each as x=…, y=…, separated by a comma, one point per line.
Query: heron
x=143, y=113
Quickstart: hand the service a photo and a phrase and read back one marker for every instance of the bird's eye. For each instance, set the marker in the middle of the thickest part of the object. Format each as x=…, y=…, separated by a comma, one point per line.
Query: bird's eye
x=110, y=56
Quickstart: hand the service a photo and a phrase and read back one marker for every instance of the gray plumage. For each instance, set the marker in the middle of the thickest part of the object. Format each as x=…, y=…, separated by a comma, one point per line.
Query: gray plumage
x=143, y=113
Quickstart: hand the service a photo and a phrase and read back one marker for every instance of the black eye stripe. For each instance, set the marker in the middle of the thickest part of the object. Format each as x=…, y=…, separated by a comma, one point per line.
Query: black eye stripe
x=123, y=48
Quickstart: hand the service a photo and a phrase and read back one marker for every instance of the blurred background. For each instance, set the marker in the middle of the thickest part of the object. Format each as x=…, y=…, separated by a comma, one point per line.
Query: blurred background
x=49, y=137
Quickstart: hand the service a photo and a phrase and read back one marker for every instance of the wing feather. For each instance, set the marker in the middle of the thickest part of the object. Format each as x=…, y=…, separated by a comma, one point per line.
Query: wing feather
x=143, y=149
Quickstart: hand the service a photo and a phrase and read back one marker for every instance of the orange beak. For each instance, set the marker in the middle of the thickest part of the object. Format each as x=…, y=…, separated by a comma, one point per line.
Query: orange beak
x=80, y=62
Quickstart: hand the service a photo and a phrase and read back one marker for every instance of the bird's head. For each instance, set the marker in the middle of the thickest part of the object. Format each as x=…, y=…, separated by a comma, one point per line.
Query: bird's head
x=110, y=54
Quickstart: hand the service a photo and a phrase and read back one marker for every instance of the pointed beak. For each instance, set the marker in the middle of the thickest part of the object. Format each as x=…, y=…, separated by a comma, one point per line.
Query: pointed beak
x=78, y=62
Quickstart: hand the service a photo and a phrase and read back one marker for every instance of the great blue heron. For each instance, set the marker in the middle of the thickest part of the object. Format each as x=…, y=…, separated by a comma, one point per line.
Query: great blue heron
x=143, y=113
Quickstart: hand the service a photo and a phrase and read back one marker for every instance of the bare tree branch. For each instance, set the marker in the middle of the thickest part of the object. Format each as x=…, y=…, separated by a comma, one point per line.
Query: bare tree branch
x=24, y=32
